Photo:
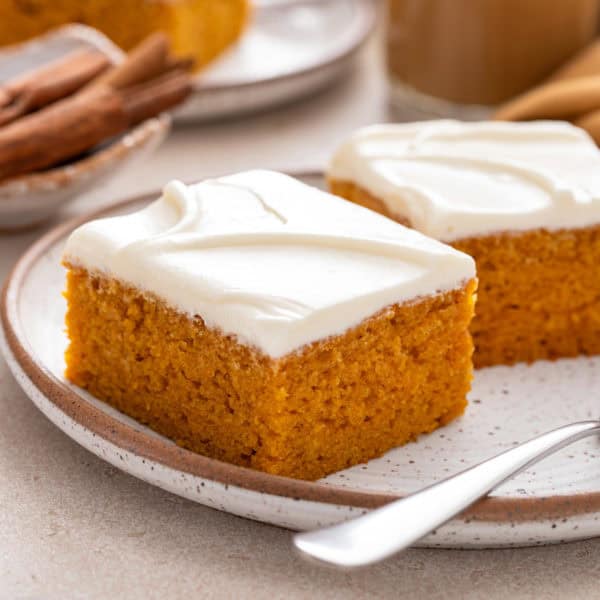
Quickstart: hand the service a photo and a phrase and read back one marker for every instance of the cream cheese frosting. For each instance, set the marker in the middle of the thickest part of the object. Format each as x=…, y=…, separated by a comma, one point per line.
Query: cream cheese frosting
x=454, y=180
x=266, y=258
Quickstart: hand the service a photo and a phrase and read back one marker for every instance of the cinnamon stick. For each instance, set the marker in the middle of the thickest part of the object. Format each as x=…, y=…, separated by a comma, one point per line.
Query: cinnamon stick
x=61, y=131
x=5, y=97
x=584, y=63
x=73, y=125
x=183, y=63
x=148, y=99
x=144, y=62
x=49, y=83
x=591, y=123
x=563, y=99
x=147, y=83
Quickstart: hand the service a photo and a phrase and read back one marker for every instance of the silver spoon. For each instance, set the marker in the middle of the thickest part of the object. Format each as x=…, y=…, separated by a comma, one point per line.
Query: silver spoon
x=396, y=526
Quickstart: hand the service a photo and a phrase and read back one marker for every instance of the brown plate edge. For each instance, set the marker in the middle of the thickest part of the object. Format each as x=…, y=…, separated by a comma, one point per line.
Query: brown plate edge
x=494, y=509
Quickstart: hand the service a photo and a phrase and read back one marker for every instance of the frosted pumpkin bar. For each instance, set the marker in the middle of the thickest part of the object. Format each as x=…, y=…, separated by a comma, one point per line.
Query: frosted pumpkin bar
x=266, y=323
x=523, y=199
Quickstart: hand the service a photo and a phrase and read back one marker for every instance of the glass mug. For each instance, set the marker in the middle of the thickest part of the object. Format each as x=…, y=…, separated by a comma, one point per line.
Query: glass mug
x=461, y=57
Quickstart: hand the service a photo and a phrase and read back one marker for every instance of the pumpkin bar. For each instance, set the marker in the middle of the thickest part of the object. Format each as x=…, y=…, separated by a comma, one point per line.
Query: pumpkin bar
x=523, y=199
x=266, y=323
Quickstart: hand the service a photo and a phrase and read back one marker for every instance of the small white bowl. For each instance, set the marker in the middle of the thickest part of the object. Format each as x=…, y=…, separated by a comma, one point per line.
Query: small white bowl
x=30, y=200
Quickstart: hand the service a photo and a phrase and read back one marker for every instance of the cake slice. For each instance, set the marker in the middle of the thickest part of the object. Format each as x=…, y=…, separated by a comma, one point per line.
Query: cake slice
x=523, y=199
x=266, y=323
x=199, y=28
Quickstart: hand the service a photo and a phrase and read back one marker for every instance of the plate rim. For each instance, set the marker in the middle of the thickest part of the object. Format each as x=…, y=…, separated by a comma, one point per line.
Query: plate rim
x=369, y=17
x=496, y=509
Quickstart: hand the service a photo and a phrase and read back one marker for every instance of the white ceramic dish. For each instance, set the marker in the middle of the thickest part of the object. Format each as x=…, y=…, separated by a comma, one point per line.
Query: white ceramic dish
x=290, y=50
x=557, y=500
x=31, y=199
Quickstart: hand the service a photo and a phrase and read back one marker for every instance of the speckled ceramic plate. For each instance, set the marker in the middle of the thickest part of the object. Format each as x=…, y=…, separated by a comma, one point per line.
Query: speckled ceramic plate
x=558, y=500
x=291, y=49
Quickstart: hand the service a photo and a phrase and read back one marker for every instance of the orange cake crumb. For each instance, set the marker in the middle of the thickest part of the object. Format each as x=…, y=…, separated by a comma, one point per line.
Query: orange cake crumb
x=330, y=405
x=538, y=295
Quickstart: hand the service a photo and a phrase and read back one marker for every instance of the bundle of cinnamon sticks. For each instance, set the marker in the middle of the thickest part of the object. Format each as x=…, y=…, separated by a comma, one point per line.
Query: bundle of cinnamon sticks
x=71, y=105
x=572, y=93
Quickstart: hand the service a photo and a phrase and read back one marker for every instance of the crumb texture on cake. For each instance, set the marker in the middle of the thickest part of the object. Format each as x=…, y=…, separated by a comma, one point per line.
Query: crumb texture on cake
x=539, y=295
x=335, y=403
x=539, y=290
x=201, y=28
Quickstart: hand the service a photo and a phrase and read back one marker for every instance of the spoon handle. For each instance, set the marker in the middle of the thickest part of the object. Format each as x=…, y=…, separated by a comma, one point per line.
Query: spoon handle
x=387, y=530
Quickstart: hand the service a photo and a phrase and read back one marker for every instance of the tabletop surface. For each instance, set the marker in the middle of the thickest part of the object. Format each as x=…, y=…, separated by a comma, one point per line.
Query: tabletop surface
x=72, y=526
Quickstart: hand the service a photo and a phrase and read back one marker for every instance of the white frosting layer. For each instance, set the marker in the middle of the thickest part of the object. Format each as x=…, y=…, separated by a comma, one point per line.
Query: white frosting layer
x=454, y=180
x=262, y=256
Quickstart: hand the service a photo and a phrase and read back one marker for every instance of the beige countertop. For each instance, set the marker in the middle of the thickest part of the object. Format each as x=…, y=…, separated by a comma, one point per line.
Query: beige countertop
x=72, y=526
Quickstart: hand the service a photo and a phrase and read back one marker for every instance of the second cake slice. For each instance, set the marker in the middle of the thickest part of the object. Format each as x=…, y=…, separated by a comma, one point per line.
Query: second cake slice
x=522, y=198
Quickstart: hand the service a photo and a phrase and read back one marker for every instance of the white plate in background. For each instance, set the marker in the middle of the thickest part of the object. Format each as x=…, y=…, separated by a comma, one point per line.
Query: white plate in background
x=291, y=49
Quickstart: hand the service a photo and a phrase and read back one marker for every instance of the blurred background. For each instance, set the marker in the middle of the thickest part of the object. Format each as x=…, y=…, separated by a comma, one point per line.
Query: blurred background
x=94, y=108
